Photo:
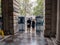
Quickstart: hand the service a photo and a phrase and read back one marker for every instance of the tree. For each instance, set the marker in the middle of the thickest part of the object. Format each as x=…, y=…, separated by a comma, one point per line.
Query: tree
x=25, y=7
x=38, y=10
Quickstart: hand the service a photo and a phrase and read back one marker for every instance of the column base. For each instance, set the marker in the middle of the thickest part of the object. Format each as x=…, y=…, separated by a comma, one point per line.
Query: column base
x=57, y=42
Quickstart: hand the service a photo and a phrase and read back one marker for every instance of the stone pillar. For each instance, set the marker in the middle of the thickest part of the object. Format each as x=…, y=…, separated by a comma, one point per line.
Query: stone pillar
x=48, y=18
x=54, y=18
x=7, y=15
x=58, y=23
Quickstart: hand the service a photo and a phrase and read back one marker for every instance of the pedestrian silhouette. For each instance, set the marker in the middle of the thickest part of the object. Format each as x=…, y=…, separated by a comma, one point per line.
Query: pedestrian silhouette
x=28, y=24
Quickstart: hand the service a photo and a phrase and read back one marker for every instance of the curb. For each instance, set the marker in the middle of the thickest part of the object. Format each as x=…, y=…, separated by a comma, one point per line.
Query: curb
x=5, y=37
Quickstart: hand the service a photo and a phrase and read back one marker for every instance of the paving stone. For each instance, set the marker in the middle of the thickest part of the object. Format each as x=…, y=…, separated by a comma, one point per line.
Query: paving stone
x=27, y=39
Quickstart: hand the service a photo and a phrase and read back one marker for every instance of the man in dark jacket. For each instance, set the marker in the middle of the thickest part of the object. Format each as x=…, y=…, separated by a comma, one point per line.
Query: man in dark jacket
x=33, y=25
x=28, y=24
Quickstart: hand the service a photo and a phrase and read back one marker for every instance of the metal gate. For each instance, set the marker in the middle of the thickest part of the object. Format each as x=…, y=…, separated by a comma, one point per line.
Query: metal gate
x=21, y=23
x=39, y=23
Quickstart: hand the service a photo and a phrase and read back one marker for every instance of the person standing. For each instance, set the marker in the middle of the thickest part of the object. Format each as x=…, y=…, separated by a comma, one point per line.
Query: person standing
x=33, y=25
x=28, y=24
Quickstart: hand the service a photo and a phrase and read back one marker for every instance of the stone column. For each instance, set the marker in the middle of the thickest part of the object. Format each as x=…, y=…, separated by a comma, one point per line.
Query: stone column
x=48, y=18
x=58, y=23
x=7, y=16
x=54, y=18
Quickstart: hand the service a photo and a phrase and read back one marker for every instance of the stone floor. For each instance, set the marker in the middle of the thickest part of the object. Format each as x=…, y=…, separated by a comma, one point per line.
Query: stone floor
x=25, y=39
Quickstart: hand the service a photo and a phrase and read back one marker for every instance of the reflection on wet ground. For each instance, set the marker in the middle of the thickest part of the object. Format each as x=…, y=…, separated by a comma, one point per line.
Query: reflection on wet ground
x=25, y=39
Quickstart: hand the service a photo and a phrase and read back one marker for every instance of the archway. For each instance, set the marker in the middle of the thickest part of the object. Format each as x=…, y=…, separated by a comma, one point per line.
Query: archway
x=50, y=15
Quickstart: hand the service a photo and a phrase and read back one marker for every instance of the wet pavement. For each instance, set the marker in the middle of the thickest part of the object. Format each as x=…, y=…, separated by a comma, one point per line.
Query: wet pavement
x=25, y=39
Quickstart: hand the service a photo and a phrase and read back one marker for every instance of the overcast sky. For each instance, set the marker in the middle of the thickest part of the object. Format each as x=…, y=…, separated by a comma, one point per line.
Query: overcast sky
x=34, y=3
x=32, y=0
